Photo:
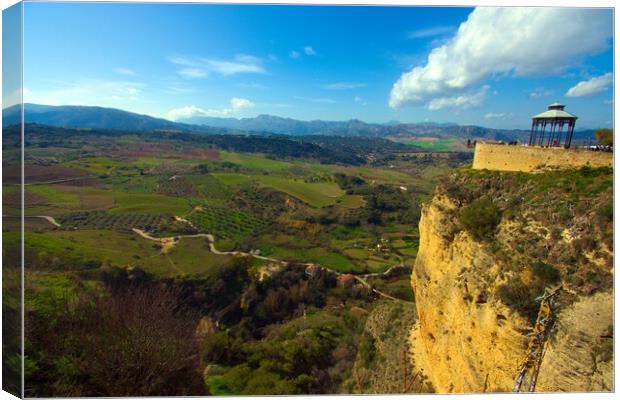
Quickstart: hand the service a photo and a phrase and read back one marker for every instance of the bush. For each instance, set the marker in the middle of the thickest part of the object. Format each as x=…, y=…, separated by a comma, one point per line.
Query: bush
x=367, y=350
x=135, y=342
x=548, y=273
x=518, y=296
x=480, y=218
x=606, y=211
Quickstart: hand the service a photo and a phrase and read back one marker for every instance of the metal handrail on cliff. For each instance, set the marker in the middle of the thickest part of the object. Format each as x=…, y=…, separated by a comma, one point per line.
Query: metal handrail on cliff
x=538, y=343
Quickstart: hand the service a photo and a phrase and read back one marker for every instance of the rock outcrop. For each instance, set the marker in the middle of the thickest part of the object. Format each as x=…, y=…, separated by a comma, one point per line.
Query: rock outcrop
x=464, y=342
x=467, y=339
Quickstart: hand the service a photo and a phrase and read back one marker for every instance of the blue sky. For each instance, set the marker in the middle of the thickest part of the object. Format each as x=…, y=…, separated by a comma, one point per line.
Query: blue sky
x=376, y=64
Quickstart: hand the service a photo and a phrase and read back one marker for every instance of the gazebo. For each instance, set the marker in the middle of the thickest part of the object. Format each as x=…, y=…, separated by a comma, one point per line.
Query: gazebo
x=554, y=119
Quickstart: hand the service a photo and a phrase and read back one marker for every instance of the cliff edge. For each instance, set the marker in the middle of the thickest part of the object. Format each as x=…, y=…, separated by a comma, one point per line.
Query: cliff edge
x=491, y=244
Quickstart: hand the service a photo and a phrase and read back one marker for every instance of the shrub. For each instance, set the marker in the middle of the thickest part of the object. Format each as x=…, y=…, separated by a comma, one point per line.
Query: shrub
x=132, y=342
x=548, y=273
x=606, y=211
x=518, y=296
x=367, y=350
x=480, y=218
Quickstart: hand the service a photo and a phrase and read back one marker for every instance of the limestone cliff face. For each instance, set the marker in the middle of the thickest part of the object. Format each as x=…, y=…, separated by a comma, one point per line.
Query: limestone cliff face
x=467, y=340
x=463, y=342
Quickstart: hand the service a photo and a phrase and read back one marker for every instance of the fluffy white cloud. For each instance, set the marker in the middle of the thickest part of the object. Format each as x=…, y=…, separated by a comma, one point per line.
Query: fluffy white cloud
x=591, y=86
x=237, y=105
x=505, y=40
x=294, y=55
x=463, y=101
x=344, y=85
x=185, y=112
x=309, y=51
x=200, y=67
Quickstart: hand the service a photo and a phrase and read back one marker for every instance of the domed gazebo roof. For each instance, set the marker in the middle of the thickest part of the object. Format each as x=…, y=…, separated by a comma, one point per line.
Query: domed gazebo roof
x=555, y=110
x=556, y=119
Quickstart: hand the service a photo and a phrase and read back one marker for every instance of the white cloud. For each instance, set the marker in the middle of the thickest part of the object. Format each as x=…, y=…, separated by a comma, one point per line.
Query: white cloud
x=592, y=86
x=309, y=51
x=180, y=60
x=242, y=63
x=359, y=100
x=200, y=67
x=185, y=112
x=192, y=72
x=610, y=101
x=540, y=92
x=237, y=106
x=517, y=41
x=430, y=32
x=124, y=71
x=89, y=92
x=498, y=115
x=344, y=85
x=463, y=101
x=294, y=55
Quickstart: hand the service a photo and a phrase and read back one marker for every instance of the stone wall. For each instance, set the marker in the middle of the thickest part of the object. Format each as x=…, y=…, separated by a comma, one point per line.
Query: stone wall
x=527, y=159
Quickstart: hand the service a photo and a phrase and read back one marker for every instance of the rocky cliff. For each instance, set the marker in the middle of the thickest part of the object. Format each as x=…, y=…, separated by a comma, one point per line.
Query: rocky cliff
x=491, y=244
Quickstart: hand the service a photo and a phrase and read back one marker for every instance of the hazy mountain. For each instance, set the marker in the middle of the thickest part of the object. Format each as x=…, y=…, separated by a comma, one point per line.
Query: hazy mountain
x=289, y=126
x=110, y=118
x=87, y=117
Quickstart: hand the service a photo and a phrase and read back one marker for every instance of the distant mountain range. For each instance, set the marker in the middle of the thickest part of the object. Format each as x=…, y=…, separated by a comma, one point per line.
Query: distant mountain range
x=85, y=117
x=110, y=118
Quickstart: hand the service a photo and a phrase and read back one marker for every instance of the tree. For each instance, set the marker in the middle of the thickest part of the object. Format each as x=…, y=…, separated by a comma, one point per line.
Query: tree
x=132, y=342
x=605, y=136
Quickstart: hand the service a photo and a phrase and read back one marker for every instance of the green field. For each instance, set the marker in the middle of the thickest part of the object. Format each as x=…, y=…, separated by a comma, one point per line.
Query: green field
x=254, y=161
x=155, y=203
x=191, y=256
x=319, y=194
x=225, y=223
x=237, y=203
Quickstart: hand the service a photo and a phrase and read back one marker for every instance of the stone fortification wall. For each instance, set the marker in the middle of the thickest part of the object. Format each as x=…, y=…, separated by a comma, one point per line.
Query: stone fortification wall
x=529, y=158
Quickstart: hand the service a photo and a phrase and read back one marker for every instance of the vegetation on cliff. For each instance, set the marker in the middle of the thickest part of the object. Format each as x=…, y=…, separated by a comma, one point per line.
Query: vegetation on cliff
x=544, y=229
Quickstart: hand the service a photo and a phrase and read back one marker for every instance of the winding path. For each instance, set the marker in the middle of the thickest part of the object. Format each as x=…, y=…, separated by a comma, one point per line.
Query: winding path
x=48, y=218
x=169, y=242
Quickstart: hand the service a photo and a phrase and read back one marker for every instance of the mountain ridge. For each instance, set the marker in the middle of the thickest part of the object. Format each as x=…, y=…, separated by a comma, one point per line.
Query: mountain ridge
x=111, y=118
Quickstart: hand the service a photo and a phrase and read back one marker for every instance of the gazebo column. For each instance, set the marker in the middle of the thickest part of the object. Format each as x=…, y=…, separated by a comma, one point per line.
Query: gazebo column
x=532, y=134
x=542, y=133
x=537, y=126
x=569, y=134
x=552, y=133
x=560, y=133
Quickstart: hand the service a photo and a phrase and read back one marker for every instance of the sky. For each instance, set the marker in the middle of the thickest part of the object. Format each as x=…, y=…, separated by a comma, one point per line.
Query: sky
x=493, y=67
